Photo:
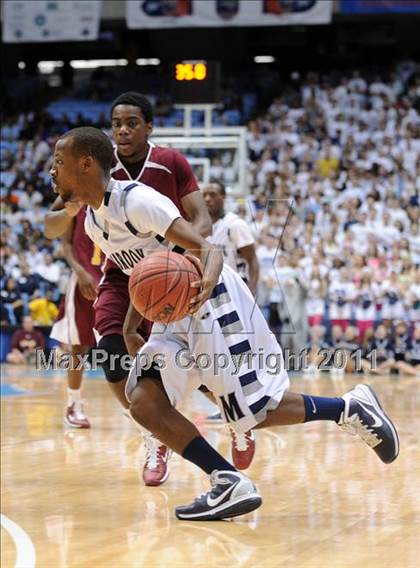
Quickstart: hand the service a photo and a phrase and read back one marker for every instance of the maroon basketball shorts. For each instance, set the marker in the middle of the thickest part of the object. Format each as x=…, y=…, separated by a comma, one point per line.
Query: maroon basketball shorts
x=111, y=305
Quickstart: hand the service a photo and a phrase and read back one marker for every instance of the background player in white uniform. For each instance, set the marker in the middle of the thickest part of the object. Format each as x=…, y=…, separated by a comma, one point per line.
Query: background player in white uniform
x=219, y=314
x=232, y=235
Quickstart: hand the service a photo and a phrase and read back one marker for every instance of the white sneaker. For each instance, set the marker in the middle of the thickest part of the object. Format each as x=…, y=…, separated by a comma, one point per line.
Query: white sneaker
x=231, y=494
x=364, y=416
x=155, y=469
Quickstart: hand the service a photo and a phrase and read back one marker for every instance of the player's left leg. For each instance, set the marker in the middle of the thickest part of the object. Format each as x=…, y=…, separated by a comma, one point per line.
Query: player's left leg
x=75, y=415
x=231, y=494
x=358, y=412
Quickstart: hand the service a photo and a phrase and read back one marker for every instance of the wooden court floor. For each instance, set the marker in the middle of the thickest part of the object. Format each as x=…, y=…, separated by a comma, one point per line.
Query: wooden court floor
x=74, y=499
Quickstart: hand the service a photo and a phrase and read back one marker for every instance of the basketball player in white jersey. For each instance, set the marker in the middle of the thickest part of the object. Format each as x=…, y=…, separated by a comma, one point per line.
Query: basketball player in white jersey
x=130, y=220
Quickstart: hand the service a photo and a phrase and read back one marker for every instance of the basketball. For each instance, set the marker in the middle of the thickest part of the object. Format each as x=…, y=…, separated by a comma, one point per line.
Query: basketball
x=160, y=286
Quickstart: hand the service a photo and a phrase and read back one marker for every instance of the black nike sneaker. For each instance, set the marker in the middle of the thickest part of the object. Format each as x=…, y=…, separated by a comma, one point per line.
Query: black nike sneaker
x=364, y=416
x=231, y=494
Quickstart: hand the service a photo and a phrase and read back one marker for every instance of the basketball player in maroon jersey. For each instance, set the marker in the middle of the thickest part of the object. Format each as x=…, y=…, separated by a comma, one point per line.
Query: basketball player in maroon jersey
x=75, y=321
x=167, y=171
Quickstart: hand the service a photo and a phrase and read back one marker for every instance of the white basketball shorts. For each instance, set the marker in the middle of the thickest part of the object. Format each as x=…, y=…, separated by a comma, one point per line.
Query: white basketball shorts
x=227, y=347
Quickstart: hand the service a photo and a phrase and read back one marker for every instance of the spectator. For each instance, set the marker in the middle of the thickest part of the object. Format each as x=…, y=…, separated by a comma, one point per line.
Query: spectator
x=12, y=302
x=43, y=310
x=49, y=270
x=25, y=341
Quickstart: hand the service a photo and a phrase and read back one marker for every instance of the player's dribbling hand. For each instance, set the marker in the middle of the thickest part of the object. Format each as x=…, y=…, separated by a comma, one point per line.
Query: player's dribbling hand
x=73, y=207
x=87, y=285
x=205, y=285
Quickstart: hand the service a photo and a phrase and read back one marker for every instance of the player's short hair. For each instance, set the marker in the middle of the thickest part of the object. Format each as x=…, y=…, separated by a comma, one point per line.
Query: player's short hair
x=221, y=185
x=90, y=141
x=135, y=99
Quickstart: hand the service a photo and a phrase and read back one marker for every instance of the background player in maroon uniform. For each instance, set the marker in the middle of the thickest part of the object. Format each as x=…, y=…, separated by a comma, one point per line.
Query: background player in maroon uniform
x=168, y=172
x=74, y=324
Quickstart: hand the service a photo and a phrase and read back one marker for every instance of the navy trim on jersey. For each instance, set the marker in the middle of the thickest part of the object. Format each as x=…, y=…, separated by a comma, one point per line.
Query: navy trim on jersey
x=107, y=197
x=132, y=229
x=239, y=348
x=248, y=378
x=218, y=289
x=226, y=319
x=104, y=233
x=129, y=187
x=259, y=405
x=124, y=194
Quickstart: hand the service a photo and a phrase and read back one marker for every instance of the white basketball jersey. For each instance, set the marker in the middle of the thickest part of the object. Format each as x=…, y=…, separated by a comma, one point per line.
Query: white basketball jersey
x=131, y=223
x=231, y=233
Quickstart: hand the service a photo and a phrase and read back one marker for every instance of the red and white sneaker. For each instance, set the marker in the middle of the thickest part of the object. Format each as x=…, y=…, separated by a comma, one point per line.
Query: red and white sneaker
x=243, y=448
x=75, y=416
x=155, y=470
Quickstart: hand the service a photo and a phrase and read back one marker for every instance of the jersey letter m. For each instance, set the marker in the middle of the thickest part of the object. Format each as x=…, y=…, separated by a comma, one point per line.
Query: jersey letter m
x=231, y=408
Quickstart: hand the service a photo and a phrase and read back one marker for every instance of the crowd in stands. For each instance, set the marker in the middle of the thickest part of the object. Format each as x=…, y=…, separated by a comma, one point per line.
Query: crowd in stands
x=334, y=171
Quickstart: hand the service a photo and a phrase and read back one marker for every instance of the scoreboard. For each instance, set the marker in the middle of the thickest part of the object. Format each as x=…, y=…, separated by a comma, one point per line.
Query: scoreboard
x=195, y=82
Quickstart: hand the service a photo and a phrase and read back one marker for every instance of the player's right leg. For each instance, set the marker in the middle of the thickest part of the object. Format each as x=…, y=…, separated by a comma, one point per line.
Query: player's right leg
x=357, y=412
x=110, y=310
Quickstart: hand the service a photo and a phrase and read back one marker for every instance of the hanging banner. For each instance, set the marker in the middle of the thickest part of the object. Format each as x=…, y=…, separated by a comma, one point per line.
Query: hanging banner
x=216, y=13
x=379, y=6
x=50, y=20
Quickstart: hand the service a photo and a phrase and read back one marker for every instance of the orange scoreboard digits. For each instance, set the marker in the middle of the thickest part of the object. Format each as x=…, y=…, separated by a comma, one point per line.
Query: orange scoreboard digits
x=195, y=81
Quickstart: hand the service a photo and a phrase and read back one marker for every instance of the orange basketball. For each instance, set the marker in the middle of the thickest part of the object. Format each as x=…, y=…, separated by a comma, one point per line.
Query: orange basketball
x=160, y=286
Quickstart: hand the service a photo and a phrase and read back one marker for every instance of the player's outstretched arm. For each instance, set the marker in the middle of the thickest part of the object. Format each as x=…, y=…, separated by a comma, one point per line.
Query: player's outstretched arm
x=196, y=209
x=85, y=280
x=133, y=340
x=60, y=217
x=184, y=235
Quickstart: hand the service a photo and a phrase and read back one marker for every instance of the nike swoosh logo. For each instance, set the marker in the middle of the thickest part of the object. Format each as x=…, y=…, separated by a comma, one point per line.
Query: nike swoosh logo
x=378, y=422
x=213, y=502
x=313, y=405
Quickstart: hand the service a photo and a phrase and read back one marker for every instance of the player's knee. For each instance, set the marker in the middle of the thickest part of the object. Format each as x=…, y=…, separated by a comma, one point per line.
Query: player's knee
x=148, y=403
x=113, y=358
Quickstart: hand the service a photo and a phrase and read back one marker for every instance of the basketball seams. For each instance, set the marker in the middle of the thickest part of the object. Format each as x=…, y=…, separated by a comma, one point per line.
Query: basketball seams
x=163, y=274
x=143, y=282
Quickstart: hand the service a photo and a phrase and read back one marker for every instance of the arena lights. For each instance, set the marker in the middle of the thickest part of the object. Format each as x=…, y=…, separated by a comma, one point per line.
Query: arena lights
x=21, y=65
x=48, y=67
x=264, y=59
x=95, y=63
x=151, y=61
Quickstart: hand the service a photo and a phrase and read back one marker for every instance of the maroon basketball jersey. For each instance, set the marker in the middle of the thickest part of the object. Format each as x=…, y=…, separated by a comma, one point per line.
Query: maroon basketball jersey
x=165, y=170
x=85, y=251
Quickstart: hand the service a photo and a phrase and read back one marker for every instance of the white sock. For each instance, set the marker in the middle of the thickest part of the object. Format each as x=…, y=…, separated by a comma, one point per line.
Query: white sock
x=73, y=395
